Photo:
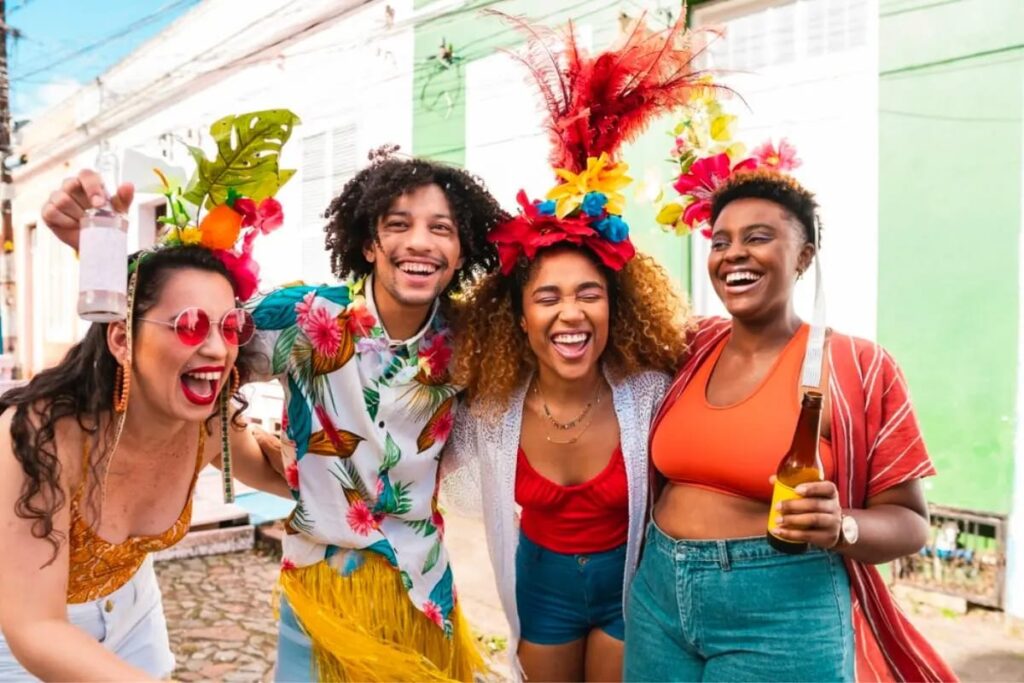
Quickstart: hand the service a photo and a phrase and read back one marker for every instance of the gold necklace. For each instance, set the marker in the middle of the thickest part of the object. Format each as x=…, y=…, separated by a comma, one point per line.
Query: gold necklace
x=565, y=442
x=572, y=440
x=564, y=426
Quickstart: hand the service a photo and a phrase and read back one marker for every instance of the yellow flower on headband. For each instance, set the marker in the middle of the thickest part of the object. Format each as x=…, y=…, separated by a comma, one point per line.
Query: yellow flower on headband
x=599, y=176
x=191, y=235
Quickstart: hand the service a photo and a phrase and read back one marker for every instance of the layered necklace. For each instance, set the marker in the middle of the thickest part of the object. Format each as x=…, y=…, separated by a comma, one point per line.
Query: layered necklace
x=581, y=422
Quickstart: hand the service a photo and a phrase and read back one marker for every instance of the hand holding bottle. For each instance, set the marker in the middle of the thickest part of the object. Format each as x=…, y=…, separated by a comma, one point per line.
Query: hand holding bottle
x=63, y=211
x=814, y=518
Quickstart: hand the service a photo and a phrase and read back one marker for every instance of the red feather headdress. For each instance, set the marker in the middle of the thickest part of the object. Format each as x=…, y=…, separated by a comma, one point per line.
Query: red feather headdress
x=595, y=104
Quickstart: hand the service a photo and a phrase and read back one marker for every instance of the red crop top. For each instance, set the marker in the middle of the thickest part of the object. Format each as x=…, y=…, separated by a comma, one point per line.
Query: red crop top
x=585, y=518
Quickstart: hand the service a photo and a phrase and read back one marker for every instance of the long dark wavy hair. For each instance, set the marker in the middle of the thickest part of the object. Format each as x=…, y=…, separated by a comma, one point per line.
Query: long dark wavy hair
x=81, y=386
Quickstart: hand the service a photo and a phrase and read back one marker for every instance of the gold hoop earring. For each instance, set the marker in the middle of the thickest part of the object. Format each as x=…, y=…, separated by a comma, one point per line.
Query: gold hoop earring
x=122, y=386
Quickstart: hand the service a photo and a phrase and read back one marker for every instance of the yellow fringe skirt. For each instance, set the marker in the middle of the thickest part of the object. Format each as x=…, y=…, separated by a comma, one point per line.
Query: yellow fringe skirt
x=363, y=627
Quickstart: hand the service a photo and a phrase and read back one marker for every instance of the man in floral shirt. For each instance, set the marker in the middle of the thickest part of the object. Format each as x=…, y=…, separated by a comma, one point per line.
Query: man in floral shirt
x=368, y=408
x=367, y=590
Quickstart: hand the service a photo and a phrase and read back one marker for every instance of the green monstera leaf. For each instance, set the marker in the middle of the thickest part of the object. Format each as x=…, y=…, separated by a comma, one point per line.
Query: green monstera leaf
x=248, y=152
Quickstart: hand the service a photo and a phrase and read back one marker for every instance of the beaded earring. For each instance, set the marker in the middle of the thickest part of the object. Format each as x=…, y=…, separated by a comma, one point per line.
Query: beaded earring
x=122, y=385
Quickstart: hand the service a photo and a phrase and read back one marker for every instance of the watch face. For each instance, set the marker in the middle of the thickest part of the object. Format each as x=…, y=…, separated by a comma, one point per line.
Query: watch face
x=850, y=529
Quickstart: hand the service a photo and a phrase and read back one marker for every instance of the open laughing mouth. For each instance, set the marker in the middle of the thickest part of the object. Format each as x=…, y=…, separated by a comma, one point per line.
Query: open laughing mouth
x=200, y=385
x=571, y=345
x=741, y=281
x=418, y=270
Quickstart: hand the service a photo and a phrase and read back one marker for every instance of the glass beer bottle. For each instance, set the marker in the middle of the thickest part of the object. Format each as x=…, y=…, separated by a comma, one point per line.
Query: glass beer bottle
x=103, y=255
x=800, y=465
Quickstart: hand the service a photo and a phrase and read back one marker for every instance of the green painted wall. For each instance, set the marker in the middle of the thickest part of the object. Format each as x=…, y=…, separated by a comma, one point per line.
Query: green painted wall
x=439, y=99
x=950, y=180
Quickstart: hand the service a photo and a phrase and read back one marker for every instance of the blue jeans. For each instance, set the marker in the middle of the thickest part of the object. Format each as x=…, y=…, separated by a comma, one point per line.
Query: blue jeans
x=737, y=610
x=294, y=648
x=561, y=597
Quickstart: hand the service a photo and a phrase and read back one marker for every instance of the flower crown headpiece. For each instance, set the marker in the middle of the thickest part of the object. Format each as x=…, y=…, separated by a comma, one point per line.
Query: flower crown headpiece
x=594, y=104
x=708, y=157
x=236, y=190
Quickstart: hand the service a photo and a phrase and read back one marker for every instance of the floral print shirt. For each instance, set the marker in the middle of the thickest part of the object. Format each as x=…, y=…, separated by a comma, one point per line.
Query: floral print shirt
x=365, y=419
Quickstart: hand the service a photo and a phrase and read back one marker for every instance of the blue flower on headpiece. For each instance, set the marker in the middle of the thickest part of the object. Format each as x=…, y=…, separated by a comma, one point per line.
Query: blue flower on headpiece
x=594, y=203
x=546, y=208
x=612, y=228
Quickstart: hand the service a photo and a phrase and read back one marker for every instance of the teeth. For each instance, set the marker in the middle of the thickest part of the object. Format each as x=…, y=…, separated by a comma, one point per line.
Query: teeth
x=209, y=376
x=418, y=268
x=578, y=338
x=741, y=276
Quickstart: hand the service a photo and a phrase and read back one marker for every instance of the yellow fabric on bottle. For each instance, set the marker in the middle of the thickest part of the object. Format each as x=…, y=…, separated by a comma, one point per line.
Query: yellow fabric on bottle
x=364, y=628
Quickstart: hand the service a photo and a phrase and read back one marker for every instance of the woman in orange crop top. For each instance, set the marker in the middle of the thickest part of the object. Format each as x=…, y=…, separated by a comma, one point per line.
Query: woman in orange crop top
x=712, y=599
x=78, y=596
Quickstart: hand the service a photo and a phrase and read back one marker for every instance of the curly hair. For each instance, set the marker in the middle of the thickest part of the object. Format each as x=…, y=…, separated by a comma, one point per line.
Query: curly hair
x=647, y=328
x=352, y=216
x=81, y=387
x=774, y=187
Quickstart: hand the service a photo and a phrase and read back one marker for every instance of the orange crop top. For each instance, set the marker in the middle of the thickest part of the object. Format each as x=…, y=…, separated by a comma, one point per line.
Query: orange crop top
x=734, y=449
x=97, y=567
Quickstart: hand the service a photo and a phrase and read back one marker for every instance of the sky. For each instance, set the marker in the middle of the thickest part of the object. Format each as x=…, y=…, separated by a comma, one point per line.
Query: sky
x=69, y=42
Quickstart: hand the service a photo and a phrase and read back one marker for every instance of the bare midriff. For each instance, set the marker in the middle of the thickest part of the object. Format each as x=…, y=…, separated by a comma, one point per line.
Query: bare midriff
x=694, y=512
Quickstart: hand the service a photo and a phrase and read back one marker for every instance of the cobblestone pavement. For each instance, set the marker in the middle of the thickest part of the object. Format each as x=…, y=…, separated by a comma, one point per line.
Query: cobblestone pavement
x=222, y=625
x=219, y=616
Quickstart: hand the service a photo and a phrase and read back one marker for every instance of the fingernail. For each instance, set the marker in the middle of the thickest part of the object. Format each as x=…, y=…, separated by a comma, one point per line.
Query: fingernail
x=98, y=200
x=778, y=506
x=801, y=489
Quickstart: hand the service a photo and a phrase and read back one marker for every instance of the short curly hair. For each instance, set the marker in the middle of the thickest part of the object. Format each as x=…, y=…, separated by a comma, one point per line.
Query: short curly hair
x=647, y=331
x=775, y=187
x=352, y=216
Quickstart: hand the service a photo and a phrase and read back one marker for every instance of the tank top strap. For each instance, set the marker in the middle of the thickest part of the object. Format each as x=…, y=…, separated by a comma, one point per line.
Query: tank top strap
x=76, y=495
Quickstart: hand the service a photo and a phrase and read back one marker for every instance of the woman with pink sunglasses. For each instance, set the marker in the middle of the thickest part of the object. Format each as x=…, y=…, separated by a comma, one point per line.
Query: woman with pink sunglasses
x=98, y=462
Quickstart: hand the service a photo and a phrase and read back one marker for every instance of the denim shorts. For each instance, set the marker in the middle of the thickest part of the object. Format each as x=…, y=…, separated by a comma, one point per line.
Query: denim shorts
x=561, y=597
x=737, y=610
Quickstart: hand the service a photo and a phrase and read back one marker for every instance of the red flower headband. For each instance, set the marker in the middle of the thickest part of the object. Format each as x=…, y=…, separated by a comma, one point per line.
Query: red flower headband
x=534, y=229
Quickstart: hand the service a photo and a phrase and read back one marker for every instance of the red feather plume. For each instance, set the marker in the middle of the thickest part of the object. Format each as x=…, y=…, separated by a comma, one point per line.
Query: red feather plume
x=596, y=104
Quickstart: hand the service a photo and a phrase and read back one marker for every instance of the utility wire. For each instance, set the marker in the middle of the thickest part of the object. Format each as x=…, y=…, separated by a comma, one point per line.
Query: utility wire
x=106, y=40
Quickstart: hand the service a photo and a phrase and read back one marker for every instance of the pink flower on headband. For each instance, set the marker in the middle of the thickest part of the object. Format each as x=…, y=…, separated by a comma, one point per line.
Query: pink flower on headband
x=265, y=217
x=244, y=271
x=700, y=182
x=782, y=159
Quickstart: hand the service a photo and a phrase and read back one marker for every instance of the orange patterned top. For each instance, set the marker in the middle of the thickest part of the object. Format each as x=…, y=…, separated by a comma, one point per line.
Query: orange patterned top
x=98, y=567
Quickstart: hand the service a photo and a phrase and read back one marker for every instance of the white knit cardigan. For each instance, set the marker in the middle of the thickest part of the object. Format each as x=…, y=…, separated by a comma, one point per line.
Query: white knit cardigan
x=479, y=465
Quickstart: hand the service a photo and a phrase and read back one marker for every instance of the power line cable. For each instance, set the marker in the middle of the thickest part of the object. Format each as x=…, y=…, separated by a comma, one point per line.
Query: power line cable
x=950, y=117
x=106, y=40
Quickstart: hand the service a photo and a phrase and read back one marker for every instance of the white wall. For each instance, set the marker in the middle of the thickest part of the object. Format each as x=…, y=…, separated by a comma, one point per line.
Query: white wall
x=506, y=144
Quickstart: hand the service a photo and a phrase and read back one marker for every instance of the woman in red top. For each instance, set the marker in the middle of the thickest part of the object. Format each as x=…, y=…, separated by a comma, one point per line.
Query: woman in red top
x=712, y=600
x=564, y=356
